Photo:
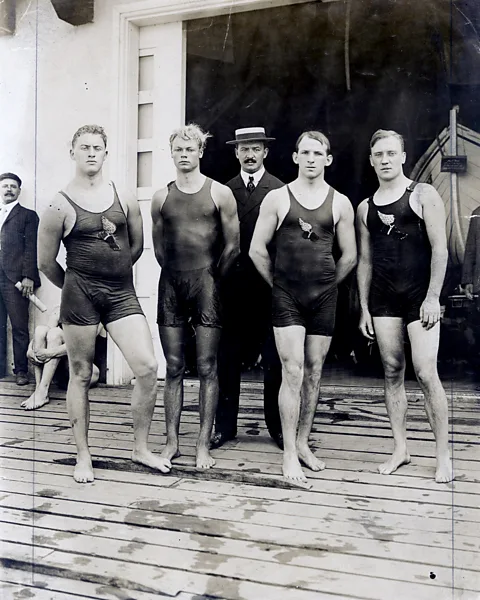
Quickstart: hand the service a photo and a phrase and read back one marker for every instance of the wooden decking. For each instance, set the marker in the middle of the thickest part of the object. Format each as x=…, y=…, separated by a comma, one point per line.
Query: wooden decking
x=237, y=532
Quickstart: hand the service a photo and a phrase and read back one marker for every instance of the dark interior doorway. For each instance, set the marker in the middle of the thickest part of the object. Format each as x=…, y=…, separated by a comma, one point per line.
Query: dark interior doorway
x=346, y=68
x=289, y=69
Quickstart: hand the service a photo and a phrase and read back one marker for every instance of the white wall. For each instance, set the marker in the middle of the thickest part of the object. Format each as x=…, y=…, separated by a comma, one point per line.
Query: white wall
x=54, y=77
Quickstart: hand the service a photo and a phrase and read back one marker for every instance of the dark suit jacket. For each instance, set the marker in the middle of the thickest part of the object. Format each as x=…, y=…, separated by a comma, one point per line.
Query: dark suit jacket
x=248, y=206
x=471, y=261
x=18, y=254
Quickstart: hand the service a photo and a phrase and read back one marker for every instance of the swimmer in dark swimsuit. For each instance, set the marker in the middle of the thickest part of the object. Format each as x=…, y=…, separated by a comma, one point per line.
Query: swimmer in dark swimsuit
x=304, y=217
x=402, y=262
x=196, y=240
x=102, y=232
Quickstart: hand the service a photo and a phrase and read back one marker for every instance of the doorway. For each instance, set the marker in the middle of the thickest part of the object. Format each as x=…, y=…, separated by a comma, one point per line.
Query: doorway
x=345, y=68
x=321, y=66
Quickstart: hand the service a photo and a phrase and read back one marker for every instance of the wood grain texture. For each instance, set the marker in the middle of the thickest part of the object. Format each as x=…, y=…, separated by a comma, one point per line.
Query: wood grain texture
x=237, y=532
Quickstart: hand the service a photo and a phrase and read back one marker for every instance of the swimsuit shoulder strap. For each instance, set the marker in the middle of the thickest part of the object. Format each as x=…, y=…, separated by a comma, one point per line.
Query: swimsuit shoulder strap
x=67, y=197
x=116, y=199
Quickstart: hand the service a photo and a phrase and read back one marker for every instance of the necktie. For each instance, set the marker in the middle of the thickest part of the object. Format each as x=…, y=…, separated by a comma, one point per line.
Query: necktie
x=250, y=185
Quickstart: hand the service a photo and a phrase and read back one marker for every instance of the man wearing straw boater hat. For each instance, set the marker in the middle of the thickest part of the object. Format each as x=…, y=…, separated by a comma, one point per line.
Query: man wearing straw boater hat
x=247, y=328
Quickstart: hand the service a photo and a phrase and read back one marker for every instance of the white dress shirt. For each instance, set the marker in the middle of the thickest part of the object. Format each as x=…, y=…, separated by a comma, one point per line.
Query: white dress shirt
x=256, y=176
x=5, y=210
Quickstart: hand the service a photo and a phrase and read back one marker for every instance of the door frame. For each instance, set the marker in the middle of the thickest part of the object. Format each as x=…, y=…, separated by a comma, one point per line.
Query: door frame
x=127, y=20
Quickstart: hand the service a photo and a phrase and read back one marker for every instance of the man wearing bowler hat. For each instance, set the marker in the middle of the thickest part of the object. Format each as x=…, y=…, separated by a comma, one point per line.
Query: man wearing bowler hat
x=18, y=263
x=247, y=326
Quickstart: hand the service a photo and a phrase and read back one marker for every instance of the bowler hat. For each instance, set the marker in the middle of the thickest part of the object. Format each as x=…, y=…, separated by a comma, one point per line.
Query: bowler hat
x=250, y=134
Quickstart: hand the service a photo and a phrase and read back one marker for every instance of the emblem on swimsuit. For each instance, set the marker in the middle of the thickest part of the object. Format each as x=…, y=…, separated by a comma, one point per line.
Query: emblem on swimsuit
x=389, y=221
x=107, y=232
x=307, y=229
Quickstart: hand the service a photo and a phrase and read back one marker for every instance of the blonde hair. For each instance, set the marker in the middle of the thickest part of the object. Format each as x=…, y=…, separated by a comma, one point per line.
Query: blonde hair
x=191, y=132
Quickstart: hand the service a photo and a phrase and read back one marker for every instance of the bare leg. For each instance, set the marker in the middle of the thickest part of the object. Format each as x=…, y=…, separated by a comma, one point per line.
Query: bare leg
x=95, y=376
x=37, y=369
x=173, y=344
x=53, y=338
x=290, y=343
x=141, y=359
x=424, y=354
x=389, y=334
x=39, y=341
x=80, y=341
x=207, y=340
x=316, y=348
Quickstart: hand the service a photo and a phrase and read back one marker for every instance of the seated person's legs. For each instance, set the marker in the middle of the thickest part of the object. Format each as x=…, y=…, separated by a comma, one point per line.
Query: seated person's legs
x=45, y=352
x=95, y=375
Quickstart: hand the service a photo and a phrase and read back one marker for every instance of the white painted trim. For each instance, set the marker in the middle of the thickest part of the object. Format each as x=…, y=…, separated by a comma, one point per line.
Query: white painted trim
x=145, y=97
x=125, y=75
x=153, y=12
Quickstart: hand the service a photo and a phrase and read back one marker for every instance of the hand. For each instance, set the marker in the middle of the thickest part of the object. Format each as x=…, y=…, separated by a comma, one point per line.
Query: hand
x=366, y=325
x=430, y=312
x=27, y=287
x=42, y=355
x=468, y=291
x=33, y=358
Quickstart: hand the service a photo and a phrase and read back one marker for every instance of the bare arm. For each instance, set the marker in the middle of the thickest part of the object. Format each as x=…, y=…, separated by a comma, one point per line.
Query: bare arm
x=345, y=232
x=227, y=207
x=364, y=270
x=157, y=224
x=265, y=228
x=134, y=224
x=50, y=233
x=43, y=355
x=434, y=217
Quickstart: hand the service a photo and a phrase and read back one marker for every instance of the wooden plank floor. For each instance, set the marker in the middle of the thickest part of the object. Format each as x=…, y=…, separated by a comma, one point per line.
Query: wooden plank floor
x=238, y=531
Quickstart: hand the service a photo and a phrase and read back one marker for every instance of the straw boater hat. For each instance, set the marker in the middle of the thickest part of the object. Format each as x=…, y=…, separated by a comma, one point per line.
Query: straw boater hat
x=250, y=134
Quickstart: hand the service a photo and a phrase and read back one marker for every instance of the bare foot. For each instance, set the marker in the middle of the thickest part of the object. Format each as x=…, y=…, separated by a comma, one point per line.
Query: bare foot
x=444, y=472
x=147, y=458
x=170, y=452
x=36, y=400
x=83, y=472
x=309, y=459
x=397, y=459
x=204, y=459
x=291, y=469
